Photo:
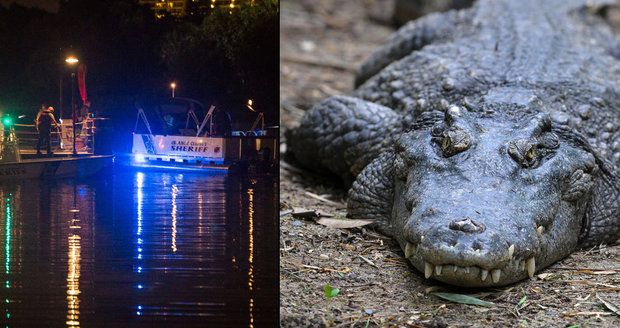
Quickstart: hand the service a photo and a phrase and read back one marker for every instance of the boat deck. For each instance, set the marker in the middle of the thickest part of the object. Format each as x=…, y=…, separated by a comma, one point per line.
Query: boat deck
x=57, y=158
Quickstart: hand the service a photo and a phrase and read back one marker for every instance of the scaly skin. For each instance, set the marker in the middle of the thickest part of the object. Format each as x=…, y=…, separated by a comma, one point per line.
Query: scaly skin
x=485, y=141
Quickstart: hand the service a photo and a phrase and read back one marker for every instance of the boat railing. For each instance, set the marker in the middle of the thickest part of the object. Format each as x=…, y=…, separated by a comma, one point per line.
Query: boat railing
x=61, y=139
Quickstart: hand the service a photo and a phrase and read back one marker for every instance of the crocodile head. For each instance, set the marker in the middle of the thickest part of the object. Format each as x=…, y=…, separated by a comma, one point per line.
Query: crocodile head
x=479, y=202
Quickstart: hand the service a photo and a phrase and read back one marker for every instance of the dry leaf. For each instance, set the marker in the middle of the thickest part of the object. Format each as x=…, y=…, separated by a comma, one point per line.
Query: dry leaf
x=343, y=224
x=608, y=304
x=463, y=299
x=544, y=276
x=605, y=272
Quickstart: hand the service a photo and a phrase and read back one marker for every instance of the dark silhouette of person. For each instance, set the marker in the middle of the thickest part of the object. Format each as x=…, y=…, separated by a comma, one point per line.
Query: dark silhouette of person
x=45, y=119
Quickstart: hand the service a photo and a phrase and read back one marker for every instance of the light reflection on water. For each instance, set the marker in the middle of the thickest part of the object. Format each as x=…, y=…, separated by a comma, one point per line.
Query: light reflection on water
x=140, y=248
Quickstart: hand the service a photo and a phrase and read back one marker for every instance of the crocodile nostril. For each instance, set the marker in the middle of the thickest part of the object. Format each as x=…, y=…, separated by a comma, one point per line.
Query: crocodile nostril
x=467, y=225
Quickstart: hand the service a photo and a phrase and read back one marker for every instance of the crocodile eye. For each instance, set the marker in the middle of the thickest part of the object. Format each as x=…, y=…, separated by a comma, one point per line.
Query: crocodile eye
x=523, y=151
x=530, y=154
x=453, y=141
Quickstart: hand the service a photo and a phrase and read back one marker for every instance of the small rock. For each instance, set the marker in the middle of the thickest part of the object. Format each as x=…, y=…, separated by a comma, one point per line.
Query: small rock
x=369, y=311
x=552, y=313
x=324, y=256
x=307, y=45
x=297, y=223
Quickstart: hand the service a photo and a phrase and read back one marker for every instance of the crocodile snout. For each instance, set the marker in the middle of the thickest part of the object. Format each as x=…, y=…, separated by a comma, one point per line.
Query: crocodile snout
x=486, y=245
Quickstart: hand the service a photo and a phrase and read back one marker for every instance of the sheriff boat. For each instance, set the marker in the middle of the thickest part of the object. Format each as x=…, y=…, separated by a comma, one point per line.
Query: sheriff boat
x=181, y=140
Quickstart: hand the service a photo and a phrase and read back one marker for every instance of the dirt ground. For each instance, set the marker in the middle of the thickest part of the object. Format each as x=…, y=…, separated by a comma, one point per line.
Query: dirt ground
x=322, y=42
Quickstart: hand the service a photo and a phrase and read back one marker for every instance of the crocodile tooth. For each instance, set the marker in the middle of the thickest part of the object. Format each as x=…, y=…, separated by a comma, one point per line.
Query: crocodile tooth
x=456, y=267
x=531, y=266
x=511, y=251
x=428, y=270
x=421, y=237
x=483, y=274
x=540, y=230
x=438, y=270
x=495, y=274
x=467, y=269
x=409, y=249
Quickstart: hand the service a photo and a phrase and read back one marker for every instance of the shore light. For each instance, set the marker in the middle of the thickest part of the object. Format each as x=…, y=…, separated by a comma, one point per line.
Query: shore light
x=72, y=60
x=173, y=85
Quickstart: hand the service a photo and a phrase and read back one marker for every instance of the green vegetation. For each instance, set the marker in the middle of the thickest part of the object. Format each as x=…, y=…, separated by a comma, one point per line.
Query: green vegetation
x=463, y=299
x=330, y=292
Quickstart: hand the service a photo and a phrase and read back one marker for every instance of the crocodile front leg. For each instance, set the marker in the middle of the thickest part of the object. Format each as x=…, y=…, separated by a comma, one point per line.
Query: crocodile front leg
x=372, y=195
x=602, y=221
x=343, y=134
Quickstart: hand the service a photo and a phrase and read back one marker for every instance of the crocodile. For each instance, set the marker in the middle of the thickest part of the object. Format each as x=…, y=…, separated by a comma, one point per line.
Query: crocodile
x=485, y=141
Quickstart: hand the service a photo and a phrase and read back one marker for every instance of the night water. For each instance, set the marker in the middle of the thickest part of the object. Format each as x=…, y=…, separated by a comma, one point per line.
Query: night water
x=127, y=249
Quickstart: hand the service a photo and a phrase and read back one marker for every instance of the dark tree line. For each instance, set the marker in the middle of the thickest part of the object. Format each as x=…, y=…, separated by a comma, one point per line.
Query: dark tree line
x=224, y=58
x=246, y=40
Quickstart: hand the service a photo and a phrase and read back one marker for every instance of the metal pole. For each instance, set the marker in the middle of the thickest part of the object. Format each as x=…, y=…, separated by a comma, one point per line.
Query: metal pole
x=73, y=114
x=60, y=94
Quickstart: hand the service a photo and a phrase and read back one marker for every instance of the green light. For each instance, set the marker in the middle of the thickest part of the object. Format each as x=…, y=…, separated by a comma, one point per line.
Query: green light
x=7, y=120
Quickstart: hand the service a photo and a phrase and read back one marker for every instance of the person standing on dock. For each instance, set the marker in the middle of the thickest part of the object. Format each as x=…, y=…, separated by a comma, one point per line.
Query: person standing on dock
x=45, y=119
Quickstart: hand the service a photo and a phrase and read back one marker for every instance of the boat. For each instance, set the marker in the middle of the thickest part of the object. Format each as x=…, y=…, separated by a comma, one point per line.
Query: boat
x=180, y=140
x=16, y=163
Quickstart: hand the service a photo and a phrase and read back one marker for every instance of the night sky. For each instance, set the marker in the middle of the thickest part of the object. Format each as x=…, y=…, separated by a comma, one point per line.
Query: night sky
x=49, y=5
x=215, y=57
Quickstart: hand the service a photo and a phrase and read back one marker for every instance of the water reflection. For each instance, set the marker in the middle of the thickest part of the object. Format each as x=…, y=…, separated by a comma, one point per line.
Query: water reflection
x=175, y=192
x=73, y=282
x=251, y=253
x=139, y=249
x=8, y=219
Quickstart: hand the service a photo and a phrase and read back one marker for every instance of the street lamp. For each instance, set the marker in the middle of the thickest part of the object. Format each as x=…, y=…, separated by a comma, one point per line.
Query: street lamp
x=173, y=85
x=72, y=60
